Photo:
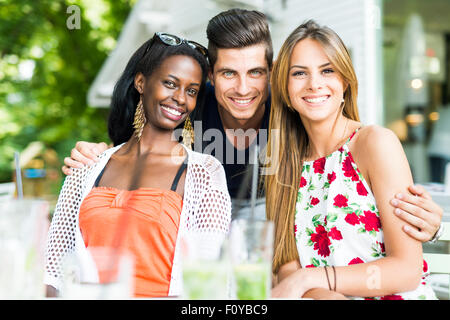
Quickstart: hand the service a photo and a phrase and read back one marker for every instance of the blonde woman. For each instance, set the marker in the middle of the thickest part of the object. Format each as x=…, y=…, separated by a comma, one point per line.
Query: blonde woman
x=330, y=197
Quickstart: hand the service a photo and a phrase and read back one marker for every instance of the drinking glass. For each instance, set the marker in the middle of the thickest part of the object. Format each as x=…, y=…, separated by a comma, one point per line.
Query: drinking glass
x=251, y=249
x=100, y=274
x=205, y=267
x=23, y=232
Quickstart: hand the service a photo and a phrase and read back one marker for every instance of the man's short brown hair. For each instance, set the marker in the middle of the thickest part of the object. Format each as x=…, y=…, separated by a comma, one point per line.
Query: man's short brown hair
x=238, y=28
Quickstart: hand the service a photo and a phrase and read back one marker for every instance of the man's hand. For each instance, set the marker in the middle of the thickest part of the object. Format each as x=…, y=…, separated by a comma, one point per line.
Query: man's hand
x=84, y=153
x=420, y=211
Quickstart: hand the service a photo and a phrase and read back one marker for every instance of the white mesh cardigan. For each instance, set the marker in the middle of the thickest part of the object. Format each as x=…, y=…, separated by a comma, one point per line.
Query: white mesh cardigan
x=206, y=213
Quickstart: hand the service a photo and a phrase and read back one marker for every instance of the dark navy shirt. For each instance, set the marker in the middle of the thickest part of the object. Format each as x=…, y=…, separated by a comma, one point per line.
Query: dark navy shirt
x=215, y=142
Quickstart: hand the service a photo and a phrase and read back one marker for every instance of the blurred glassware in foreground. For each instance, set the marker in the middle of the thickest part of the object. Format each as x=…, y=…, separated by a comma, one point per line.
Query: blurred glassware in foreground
x=206, y=268
x=23, y=231
x=102, y=273
x=251, y=249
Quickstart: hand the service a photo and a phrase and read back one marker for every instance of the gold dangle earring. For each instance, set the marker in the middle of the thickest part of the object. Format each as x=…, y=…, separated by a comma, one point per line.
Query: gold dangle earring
x=139, y=120
x=188, y=133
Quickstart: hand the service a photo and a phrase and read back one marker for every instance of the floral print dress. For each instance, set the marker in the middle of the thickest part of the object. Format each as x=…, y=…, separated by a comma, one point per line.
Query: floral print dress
x=337, y=222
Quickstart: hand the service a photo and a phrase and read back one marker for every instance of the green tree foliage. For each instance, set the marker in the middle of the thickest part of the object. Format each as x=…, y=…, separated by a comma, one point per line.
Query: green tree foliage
x=50, y=104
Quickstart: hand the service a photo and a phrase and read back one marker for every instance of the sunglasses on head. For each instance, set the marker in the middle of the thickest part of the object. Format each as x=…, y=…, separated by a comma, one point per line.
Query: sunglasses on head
x=172, y=40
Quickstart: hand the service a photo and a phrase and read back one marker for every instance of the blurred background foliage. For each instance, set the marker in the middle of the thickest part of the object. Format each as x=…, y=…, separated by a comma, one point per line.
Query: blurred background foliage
x=46, y=70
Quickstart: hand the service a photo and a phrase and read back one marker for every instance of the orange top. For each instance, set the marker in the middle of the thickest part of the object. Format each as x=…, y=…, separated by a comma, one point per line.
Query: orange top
x=150, y=231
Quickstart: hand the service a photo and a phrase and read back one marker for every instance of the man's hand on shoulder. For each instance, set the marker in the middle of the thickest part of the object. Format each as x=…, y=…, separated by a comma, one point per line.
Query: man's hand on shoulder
x=84, y=153
x=420, y=211
x=417, y=208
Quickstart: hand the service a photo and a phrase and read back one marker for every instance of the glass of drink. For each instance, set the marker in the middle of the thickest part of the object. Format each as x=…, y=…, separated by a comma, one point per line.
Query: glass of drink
x=205, y=267
x=251, y=250
x=101, y=273
x=23, y=232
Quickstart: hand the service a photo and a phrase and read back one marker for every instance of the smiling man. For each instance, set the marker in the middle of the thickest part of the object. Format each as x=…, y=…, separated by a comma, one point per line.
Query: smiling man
x=237, y=106
x=240, y=78
x=235, y=118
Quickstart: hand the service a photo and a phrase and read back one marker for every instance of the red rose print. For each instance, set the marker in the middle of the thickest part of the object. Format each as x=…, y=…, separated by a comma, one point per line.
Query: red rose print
x=361, y=189
x=392, y=297
x=353, y=161
x=425, y=266
x=335, y=234
x=310, y=266
x=302, y=182
x=381, y=244
x=340, y=201
x=370, y=221
x=321, y=241
x=348, y=169
x=355, y=261
x=319, y=165
x=352, y=218
x=314, y=201
x=347, y=165
x=331, y=177
x=351, y=157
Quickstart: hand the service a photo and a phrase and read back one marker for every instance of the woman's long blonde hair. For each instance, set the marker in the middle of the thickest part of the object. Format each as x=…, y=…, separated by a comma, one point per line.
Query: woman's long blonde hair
x=288, y=142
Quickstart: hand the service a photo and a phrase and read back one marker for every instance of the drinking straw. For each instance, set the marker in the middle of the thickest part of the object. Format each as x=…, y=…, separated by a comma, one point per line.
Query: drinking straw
x=245, y=185
x=254, y=181
x=18, y=175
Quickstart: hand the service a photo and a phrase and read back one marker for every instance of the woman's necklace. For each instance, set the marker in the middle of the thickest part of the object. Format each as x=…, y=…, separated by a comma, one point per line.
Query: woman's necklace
x=338, y=144
x=345, y=130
